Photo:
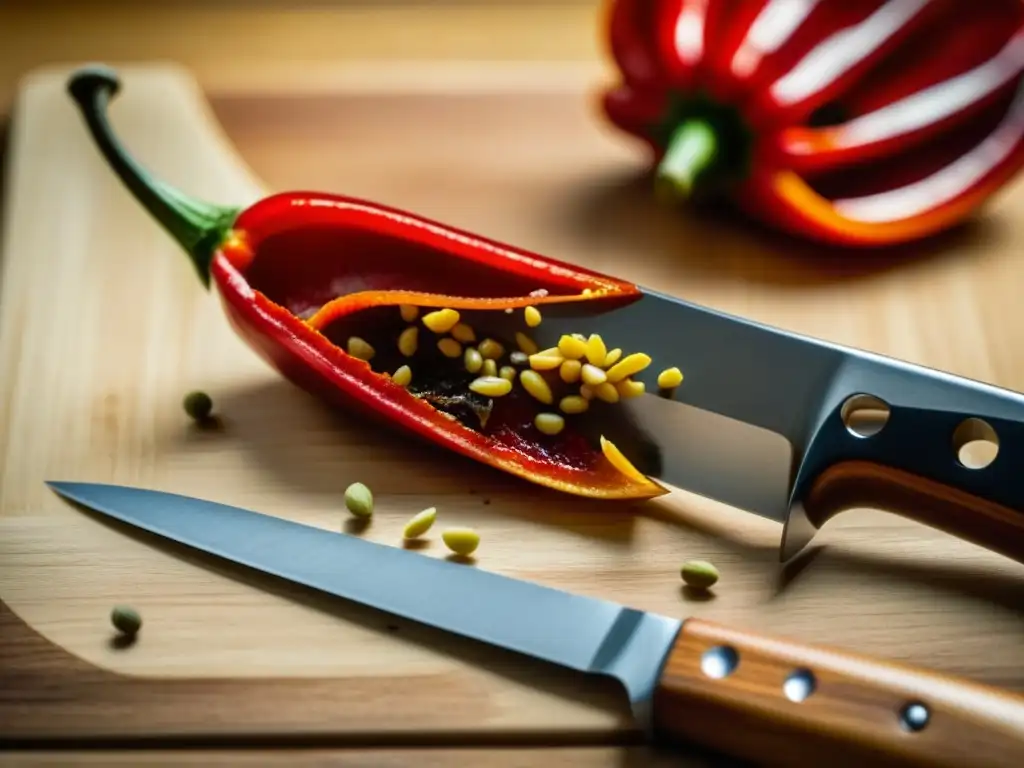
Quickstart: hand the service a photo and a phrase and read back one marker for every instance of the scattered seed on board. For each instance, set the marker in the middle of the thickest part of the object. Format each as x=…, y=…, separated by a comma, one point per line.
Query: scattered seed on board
x=403, y=376
x=126, y=620
x=359, y=500
x=670, y=378
x=532, y=316
x=461, y=541
x=360, y=349
x=420, y=523
x=198, y=405
x=699, y=574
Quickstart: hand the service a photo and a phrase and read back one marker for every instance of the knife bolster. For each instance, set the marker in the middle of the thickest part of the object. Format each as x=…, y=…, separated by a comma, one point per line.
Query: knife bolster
x=865, y=484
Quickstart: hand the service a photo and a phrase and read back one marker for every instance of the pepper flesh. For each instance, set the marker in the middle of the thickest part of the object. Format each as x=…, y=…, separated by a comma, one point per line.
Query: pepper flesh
x=293, y=265
x=860, y=124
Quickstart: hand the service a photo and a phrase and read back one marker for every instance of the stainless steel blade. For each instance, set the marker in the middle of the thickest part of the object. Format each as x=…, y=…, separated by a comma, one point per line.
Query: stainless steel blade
x=582, y=633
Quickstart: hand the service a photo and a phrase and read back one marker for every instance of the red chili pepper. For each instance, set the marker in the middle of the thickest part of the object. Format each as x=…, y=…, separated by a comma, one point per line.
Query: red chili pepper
x=857, y=123
x=300, y=274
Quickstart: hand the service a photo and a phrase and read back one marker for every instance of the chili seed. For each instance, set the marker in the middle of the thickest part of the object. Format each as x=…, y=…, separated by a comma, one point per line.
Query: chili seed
x=403, y=376
x=549, y=423
x=532, y=316
x=570, y=371
x=628, y=388
x=620, y=462
x=587, y=292
x=507, y=372
x=572, y=348
x=587, y=392
x=360, y=349
x=449, y=347
x=491, y=386
x=596, y=350
x=359, y=500
x=491, y=349
x=669, y=378
x=518, y=358
x=461, y=541
x=198, y=405
x=606, y=391
x=489, y=368
x=441, y=321
x=541, y=362
x=464, y=333
x=409, y=341
x=126, y=620
x=472, y=359
x=534, y=383
x=612, y=358
x=409, y=312
x=526, y=344
x=574, y=404
x=628, y=366
x=420, y=523
x=699, y=574
x=592, y=375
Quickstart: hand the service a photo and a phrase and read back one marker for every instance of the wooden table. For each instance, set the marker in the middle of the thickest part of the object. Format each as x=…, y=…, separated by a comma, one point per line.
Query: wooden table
x=401, y=134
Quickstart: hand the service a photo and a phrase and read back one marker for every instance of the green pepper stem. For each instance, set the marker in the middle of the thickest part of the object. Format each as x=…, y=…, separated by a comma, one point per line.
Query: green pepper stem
x=691, y=151
x=198, y=226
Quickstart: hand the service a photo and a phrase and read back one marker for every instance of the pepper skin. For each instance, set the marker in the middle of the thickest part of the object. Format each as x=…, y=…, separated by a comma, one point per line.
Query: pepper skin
x=852, y=123
x=294, y=267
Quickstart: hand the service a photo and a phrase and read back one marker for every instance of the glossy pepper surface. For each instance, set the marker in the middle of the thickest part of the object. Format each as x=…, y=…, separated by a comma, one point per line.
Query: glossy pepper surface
x=862, y=123
x=301, y=275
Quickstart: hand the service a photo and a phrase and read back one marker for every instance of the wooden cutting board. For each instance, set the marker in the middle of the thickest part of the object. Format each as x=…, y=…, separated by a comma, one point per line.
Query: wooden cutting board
x=103, y=328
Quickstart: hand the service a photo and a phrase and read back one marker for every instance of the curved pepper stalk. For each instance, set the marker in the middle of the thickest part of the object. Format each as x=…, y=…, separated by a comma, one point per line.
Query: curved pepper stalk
x=860, y=124
x=323, y=286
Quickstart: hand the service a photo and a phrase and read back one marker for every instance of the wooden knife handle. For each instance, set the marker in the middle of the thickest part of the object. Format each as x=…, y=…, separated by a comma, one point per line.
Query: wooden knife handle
x=782, y=703
x=854, y=484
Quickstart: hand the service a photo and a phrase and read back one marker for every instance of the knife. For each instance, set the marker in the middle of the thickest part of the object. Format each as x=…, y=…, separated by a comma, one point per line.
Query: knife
x=738, y=692
x=798, y=429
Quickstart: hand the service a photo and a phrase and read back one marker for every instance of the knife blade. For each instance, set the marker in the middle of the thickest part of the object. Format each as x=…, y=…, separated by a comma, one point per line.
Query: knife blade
x=687, y=680
x=766, y=421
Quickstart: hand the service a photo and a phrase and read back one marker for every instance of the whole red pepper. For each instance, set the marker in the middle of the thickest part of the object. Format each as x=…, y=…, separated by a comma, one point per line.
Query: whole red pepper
x=863, y=123
x=309, y=280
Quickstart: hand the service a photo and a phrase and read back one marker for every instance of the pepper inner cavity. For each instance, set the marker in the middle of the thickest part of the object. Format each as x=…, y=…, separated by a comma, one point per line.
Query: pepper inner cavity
x=484, y=369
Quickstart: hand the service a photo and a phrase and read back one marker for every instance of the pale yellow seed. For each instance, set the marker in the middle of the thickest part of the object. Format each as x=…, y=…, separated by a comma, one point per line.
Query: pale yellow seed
x=607, y=392
x=359, y=348
x=461, y=541
x=532, y=316
x=613, y=357
x=596, y=350
x=628, y=366
x=449, y=347
x=462, y=332
x=489, y=368
x=534, y=383
x=549, y=423
x=507, y=372
x=570, y=371
x=580, y=336
x=572, y=348
x=669, y=378
x=472, y=359
x=628, y=388
x=359, y=500
x=545, y=362
x=587, y=393
x=574, y=404
x=592, y=375
x=409, y=312
x=491, y=386
x=403, y=376
x=409, y=340
x=550, y=352
x=519, y=358
x=441, y=321
x=491, y=349
x=420, y=523
x=526, y=344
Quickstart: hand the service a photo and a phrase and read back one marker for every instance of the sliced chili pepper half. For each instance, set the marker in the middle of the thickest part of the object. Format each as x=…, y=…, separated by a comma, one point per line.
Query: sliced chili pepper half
x=423, y=325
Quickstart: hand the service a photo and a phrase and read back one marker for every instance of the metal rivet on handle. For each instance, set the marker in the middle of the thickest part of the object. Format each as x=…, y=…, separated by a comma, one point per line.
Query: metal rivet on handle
x=799, y=685
x=719, y=662
x=914, y=716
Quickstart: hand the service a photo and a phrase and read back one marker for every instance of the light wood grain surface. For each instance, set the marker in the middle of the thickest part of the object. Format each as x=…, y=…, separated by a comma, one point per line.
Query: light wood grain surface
x=103, y=328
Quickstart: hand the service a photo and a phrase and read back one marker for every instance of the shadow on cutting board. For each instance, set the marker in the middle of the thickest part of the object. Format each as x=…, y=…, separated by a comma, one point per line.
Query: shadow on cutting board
x=619, y=214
